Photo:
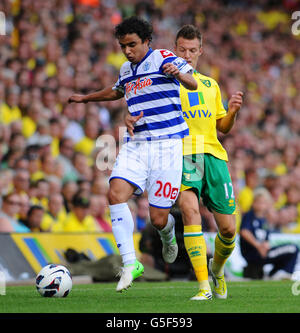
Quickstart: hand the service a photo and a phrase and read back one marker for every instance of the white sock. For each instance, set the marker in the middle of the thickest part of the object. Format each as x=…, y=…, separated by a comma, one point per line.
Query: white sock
x=122, y=228
x=168, y=232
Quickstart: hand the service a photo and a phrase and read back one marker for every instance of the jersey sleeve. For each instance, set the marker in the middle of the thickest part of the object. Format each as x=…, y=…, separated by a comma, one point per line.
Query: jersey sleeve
x=124, y=71
x=169, y=57
x=220, y=112
x=118, y=86
x=182, y=65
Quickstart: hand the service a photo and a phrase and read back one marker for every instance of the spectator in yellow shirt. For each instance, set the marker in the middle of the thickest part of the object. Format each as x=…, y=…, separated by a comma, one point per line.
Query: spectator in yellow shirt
x=34, y=218
x=21, y=181
x=79, y=218
x=31, y=119
x=87, y=143
x=54, y=218
x=245, y=197
x=68, y=190
x=81, y=164
x=41, y=193
x=9, y=110
x=55, y=133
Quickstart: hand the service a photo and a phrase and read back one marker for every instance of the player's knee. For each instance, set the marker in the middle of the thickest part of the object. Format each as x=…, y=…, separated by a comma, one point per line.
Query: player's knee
x=158, y=221
x=228, y=230
x=114, y=197
x=189, y=207
x=189, y=214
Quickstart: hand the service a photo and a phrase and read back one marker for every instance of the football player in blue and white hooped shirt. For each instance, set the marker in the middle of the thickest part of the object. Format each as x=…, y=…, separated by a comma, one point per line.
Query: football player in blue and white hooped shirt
x=152, y=159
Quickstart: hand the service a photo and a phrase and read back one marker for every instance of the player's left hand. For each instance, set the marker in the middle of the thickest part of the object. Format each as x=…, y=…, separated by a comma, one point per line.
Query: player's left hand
x=235, y=102
x=170, y=69
x=131, y=120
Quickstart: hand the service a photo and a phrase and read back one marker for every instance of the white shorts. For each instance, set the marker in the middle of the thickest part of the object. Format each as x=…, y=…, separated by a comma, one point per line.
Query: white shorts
x=155, y=166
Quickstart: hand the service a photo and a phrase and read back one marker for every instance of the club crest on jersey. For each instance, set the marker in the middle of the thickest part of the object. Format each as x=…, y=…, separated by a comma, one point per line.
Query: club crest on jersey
x=139, y=84
x=206, y=83
x=187, y=176
x=146, y=66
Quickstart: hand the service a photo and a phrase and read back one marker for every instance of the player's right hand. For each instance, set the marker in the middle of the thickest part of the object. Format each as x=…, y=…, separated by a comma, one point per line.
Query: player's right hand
x=130, y=121
x=76, y=98
x=170, y=69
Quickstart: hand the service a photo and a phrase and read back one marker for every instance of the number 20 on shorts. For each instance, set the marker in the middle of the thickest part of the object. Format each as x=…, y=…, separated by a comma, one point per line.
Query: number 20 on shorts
x=166, y=190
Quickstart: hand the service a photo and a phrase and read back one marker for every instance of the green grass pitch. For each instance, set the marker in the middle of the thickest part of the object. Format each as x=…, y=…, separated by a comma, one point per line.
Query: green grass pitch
x=155, y=297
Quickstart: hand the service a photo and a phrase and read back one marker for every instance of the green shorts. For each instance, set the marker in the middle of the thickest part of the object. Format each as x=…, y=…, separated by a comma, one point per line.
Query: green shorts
x=209, y=177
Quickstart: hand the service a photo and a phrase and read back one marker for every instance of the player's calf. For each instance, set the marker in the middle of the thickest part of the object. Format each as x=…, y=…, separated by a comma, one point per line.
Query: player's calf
x=165, y=225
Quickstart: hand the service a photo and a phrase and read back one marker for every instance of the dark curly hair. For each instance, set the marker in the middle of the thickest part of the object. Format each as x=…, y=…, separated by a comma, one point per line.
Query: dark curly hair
x=133, y=25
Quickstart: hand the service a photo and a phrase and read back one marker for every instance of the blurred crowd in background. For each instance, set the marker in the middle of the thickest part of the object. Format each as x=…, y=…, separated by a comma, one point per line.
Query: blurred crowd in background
x=49, y=177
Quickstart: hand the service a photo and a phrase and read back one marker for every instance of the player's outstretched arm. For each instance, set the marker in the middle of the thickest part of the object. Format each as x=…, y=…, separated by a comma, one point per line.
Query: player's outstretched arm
x=107, y=94
x=225, y=124
x=185, y=79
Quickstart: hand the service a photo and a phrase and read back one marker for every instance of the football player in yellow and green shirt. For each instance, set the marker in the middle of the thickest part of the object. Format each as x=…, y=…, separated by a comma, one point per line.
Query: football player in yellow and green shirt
x=205, y=172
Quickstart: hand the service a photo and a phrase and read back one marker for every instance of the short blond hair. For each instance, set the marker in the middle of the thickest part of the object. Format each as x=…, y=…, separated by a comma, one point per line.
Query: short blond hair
x=262, y=192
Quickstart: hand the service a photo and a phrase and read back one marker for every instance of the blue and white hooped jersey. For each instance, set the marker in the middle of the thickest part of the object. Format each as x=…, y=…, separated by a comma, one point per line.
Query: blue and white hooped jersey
x=146, y=88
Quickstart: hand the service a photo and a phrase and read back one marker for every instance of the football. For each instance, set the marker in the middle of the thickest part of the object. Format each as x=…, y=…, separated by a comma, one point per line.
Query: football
x=54, y=281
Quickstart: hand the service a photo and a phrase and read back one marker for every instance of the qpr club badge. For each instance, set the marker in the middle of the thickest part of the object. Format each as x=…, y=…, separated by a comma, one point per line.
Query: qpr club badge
x=146, y=66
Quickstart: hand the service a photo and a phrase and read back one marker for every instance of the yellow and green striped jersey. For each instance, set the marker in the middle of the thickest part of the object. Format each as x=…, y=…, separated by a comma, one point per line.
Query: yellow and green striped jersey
x=201, y=109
